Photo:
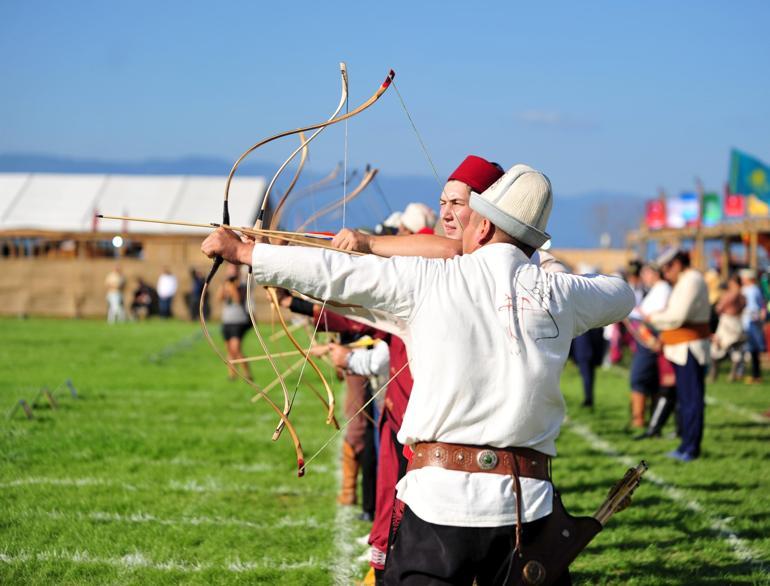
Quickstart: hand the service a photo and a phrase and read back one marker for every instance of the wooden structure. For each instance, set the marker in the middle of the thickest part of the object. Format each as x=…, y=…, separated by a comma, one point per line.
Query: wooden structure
x=754, y=233
x=54, y=254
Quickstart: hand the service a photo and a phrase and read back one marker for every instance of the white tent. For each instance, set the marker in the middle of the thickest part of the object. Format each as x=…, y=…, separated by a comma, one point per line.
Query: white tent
x=68, y=202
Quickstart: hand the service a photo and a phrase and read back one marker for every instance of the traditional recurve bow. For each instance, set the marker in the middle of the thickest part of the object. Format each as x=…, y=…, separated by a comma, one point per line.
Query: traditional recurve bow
x=226, y=221
x=274, y=221
x=365, y=181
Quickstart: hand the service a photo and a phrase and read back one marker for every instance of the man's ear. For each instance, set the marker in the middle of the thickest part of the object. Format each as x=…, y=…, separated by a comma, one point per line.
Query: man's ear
x=486, y=231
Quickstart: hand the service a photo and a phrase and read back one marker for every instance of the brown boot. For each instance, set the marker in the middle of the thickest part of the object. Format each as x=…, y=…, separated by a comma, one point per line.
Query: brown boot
x=638, y=401
x=349, y=493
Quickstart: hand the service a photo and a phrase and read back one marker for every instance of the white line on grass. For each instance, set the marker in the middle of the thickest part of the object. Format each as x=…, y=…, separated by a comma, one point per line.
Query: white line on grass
x=65, y=482
x=755, y=417
x=719, y=525
x=138, y=560
x=208, y=485
x=345, y=567
x=141, y=517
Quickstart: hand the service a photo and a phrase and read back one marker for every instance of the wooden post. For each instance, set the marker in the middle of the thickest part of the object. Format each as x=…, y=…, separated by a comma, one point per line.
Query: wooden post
x=700, y=256
x=753, y=240
x=725, y=269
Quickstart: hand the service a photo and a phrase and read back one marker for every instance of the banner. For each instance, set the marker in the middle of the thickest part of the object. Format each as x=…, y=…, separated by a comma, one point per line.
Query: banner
x=712, y=209
x=675, y=213
x=655, y=214
x=756, y=207
x=749, y=176
x=690, y=207
x=735, y=205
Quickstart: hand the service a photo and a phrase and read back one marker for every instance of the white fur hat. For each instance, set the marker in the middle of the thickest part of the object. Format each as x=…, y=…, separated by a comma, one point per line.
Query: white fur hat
x=519, y=203
x=417, y=216
x=393, y=220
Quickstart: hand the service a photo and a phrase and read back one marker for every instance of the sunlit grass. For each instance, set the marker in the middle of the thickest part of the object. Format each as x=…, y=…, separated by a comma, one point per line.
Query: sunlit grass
x=164, y=472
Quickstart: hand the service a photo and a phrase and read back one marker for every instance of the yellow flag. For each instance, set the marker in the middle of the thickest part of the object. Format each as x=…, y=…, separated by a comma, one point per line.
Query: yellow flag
x=756, y=207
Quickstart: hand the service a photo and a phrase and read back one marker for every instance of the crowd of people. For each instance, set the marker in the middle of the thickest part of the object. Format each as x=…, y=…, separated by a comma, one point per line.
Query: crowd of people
x=465, y=431
x=147, y=301
x=453, y=459
x=684, y=325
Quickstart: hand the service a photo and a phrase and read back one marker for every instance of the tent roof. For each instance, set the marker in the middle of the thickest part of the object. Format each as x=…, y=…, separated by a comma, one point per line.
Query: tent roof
x=68, y=202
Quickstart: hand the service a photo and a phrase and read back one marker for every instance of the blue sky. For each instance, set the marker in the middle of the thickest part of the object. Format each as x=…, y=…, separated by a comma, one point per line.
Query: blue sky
x=619, y=96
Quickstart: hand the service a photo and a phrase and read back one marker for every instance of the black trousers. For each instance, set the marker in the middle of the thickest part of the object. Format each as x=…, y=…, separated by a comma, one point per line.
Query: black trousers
x=422, y=553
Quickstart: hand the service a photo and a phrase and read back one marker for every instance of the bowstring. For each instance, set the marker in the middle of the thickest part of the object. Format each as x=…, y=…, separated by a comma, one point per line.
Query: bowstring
x=408, y=362
x=356, y=414
x=419, y=136
x=344, y=194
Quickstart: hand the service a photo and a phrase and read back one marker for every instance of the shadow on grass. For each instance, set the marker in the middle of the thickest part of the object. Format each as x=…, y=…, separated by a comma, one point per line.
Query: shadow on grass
x=669, y=572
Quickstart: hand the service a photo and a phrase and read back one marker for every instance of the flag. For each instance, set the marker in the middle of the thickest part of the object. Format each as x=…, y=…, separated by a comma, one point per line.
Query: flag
x=712, y=209
x=675, y=212
x=690, y=208
x=735, y=205
x=655, y=214
x=749, y=176
x=756, y=207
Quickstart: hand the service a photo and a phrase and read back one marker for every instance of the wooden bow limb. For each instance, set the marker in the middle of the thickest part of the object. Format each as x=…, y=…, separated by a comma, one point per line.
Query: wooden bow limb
x=376, y=96
x=311, y=189
x=365, y=181
x=292, y=432
x=274, y=222
x=282, y=333
x=310, y=361
x=260, y=358
x=312, y=387
x=304, y=148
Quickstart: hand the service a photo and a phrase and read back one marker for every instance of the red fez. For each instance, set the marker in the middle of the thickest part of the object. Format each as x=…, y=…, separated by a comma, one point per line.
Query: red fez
x=477, y=172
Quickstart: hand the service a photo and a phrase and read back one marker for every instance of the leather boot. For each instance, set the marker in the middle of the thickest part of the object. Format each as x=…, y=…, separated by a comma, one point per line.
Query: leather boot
x=663, y=409
x=349, y=493
x=638, y=401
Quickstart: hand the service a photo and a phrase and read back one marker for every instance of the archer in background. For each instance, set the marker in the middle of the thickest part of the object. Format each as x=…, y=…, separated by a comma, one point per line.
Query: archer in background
x=235, y=320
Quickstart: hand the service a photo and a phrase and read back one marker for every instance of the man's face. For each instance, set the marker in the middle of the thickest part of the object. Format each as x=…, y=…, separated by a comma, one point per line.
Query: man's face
x=671, y=271
x=649, y=276
x=453, y=206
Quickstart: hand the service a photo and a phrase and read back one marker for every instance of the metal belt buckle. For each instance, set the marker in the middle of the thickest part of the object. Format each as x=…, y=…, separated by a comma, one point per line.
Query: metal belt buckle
x=486, y=459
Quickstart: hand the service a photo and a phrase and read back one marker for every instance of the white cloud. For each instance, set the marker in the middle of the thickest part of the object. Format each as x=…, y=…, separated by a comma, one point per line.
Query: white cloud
x=553, y=119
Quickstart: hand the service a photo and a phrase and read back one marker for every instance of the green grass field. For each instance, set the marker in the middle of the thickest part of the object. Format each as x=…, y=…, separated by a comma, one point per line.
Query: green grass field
x=164, y=472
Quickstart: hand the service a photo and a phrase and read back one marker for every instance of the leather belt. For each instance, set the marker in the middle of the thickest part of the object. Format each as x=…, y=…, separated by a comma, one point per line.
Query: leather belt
x=524, y=462
x=687, y=333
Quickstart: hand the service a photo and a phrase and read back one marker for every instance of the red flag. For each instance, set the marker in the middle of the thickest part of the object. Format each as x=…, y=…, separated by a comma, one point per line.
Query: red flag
x=655, y=214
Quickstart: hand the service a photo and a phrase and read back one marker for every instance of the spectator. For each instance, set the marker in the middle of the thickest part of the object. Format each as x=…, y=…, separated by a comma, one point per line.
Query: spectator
x=115, y=283
x=729, y=337
x=235, y=320
x=753, y=317
x=142, y=306
x=645, y=374
x=167, y=286
x=193, y=301
x=417, y=219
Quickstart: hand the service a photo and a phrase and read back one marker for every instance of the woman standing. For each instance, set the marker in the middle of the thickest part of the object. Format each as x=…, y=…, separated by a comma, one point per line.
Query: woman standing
x=235, y=320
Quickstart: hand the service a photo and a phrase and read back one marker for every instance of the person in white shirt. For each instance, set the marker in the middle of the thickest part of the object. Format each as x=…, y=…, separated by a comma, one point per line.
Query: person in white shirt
x=685, y=333
x=489, y=334
x=752, y=318
x=645, y=375
x=167, y=285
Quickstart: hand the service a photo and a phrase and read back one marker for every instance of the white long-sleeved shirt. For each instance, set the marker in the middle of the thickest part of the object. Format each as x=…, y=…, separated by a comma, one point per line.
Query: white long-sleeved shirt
x=687, y=304
x=167, y=285
x=371, y=362
x=655, y=300
x=490, y=333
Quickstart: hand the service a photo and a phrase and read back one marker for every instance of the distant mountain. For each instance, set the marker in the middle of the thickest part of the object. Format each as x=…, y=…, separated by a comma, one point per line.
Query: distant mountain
x=26, y=163
x=577, y=221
